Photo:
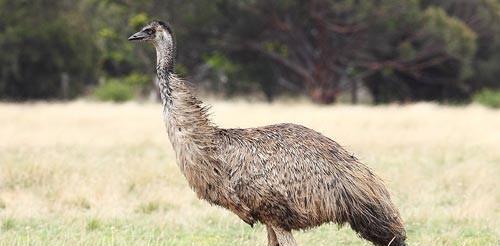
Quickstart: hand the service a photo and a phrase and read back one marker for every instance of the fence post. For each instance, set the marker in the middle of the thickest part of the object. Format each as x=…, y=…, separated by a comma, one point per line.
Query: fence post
x=65, y=86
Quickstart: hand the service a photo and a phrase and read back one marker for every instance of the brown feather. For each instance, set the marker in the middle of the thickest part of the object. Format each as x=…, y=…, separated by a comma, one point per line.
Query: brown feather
x=286, y=176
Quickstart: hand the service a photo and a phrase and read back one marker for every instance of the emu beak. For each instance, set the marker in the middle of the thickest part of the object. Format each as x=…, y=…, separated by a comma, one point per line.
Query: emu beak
x=138, y=36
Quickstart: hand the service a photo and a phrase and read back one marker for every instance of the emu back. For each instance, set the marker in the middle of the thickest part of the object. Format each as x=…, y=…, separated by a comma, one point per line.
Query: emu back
x=295, y=177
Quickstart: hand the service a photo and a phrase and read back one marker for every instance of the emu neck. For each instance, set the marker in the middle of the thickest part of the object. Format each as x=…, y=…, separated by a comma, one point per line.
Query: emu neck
x=165, y=53
x=188, y=126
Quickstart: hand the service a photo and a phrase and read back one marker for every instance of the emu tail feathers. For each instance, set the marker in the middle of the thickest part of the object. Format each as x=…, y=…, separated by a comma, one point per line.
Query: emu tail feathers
x=366, y=205
x=379, y=226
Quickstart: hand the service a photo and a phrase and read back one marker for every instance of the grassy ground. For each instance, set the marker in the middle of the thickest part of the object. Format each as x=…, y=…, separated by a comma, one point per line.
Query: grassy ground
x=103, y=174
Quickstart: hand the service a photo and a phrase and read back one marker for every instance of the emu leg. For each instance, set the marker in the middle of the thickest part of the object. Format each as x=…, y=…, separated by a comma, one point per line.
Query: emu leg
x=285, y=238
x=271, y=237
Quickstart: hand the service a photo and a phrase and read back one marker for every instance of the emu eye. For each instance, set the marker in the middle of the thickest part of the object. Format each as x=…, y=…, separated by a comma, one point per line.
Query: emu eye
x=149, y=31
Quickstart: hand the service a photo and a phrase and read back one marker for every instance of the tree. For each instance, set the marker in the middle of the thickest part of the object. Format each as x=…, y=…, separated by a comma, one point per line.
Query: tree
x=430, y=60
x=321, y=47
x=483, y=17
x=40, y=47
x=400, y=50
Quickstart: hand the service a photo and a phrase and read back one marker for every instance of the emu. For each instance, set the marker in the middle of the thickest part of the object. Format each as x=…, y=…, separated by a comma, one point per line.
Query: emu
x=285, y=176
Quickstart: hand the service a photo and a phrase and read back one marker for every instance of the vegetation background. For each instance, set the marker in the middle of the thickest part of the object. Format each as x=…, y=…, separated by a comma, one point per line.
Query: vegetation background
x=376, y=51
x=84, y=172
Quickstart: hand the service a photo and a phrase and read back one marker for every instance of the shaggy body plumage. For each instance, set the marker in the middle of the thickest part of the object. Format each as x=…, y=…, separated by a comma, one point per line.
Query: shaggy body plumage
x=285, y=176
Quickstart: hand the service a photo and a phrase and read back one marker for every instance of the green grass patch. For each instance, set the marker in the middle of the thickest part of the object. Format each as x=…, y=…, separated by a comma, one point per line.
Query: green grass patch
x=8, y=224
x=93, y=224
x=148, y=231
x=149, y=207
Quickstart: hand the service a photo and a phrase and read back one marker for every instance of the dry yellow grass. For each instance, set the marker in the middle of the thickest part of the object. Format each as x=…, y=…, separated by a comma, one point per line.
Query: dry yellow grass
x=99, y=174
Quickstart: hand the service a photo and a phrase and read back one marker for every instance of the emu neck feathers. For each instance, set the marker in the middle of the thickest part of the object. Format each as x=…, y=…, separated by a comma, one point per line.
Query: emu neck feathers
x=165, y=54
x=185, y=117
x=190, y=132
x=187, y=123
x=181, y=108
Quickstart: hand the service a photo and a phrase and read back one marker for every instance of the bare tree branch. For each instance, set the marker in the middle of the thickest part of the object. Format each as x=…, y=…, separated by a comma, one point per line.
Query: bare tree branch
x=296, y=68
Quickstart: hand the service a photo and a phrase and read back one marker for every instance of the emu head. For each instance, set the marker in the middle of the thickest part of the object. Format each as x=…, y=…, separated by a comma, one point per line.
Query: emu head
x=157, y=32
x=160, y=35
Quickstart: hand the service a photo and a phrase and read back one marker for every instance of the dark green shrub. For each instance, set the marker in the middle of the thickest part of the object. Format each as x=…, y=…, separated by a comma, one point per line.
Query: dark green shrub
x=123, y=88
x=114, y=90
x=137, y=80
x=487, y=97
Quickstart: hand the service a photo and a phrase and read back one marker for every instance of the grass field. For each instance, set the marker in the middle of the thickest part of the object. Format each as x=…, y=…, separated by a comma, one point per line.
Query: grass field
x=101, y=174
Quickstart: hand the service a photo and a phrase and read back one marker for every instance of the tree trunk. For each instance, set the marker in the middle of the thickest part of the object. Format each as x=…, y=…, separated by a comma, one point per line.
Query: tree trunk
x=354, y=91
x=64, y=86
x=323, y=95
